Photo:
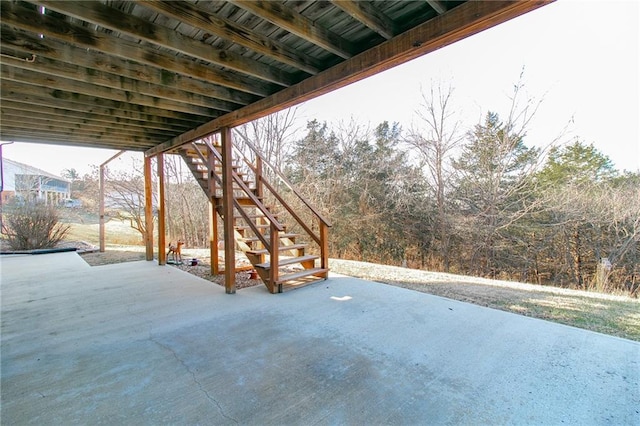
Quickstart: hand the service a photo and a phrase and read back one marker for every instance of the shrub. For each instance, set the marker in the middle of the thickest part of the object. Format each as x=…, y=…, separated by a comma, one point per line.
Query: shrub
x=34, y=226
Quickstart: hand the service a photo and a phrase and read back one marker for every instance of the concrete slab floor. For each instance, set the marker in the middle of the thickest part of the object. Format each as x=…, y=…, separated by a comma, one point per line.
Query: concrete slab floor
x=137, y=344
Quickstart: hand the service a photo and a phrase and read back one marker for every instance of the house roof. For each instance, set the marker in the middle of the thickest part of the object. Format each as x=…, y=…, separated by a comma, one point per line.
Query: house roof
x=10, y=169
x=25, y=169
x=151, y=75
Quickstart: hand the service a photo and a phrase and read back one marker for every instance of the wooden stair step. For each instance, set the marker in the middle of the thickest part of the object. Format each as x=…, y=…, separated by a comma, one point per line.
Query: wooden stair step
x=302, y=274
x=281, y=248
x=288, y=261
x=247, y=227
x=254, y=239
x=255, y=216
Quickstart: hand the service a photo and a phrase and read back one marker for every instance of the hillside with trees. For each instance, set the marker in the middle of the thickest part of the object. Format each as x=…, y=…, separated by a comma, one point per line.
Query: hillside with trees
x=468, y=198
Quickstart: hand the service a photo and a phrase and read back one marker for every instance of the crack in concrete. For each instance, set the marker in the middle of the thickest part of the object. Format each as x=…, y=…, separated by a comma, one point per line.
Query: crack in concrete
x=175, y=355
x=193, y=375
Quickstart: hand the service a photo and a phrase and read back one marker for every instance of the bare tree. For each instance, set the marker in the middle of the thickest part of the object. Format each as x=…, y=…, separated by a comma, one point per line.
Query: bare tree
x=270, y=135
x=126, y=197
x=495, y=187
x=435, y=139
x=186, y=210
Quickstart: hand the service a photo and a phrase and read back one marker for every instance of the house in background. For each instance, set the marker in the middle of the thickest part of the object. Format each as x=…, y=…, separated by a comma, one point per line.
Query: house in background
x=30, y=183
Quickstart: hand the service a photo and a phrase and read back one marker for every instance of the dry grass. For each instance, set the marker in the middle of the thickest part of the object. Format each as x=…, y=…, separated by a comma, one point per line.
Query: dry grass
x=603, y=313
x=614, y=315
x=116, y=232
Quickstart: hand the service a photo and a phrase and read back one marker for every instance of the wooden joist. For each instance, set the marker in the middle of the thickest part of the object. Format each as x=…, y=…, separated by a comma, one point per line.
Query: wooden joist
x=24, y=92
x=81, y=116
x=50, y=138
x=48, y=68
x=369, y=15
x=52, y=49
x=32, y=97
x=17, y=118
x=461, y=22
x=62, y=131
x=183, y=70
x=198, y=17
x=33, y=78
x=292, y=21
x=81, y=36
x=112, y=18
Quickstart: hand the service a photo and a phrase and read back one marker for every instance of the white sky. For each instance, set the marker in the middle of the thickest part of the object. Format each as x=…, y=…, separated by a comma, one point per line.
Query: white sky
x=580, y=57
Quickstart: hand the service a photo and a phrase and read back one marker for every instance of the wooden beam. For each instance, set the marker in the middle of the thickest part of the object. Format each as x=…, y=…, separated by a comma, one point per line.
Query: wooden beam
x=27, y=93
x=457, y=24
x=162, y=255
x=46, y=139
x=199, y=17
x=64, y=97
x=39, y=119
x=438, y=6
x=29, y=20
x=21, y=132
x=64, y=52
x=227, y=206
x=290, y=20
x=50, y=67
x=148, y=209
x=369, y=15
x=114, y=19
x=74, y=116
x=73, y=86
x=65, y=129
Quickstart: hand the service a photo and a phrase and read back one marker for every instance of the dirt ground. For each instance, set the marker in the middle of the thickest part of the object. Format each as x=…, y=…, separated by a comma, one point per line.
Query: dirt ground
x=609, y=314
x=202, y=268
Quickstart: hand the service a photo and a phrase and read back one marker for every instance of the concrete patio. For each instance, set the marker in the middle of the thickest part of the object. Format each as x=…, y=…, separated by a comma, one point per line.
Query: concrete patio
x=140, y=344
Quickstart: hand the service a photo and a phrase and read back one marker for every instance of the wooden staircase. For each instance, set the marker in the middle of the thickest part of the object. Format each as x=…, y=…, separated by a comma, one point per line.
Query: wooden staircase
x=301, y=256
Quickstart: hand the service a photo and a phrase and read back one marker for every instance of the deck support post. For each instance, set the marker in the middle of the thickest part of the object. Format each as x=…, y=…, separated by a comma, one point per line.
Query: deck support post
x=227, y=206
x=162, y=255
x=274, y=259
x=102, y=222
x=213, y=236
x=213, y=211
x=101, y=228
x=324, y=245
x=148, y=209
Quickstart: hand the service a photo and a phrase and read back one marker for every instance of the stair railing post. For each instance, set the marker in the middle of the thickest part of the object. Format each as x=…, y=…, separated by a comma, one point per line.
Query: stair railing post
x=259, y=190
x=213, y=212
x=274, y=255
x=227, y=205
x=213, y=236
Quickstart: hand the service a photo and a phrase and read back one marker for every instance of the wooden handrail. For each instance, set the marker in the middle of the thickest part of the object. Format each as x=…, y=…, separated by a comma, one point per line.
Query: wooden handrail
x=287, y=183
x=292, y=212
x=247, y=191
x=236, y=204
x=275, y=193
x=270, y=242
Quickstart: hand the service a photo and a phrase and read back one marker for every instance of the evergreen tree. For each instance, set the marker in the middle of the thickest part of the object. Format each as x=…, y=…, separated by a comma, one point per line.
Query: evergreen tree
x=576, y=164
x=494, y=192
x=591, y=223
